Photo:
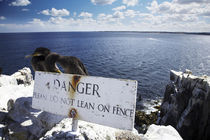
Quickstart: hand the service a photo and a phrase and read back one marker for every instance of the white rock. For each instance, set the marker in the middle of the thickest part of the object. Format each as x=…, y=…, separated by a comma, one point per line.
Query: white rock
x=6, y=80
x=9, y=88
x=90, y=131
x=187, y=99
x=156, y=132
x=12, y=91
x=22, y=94
x=187, y=71
x=23, y=76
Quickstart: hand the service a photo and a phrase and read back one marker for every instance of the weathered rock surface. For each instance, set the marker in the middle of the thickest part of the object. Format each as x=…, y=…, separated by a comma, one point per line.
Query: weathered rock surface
x=186, y=105
x=23, y=76
x=155, y=132
x=36, y=122
x=19, y=84
x=89, y=131
x=19, y=121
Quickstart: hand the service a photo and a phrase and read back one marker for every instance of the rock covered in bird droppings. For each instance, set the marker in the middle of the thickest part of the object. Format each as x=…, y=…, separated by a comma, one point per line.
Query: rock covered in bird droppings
x=156, y=132
x=186, y=105
x=23, y=76
x=21, y=121
x=19, y=84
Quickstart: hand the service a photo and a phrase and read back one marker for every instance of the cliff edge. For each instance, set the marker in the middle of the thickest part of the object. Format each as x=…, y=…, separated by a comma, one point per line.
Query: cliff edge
x=19, y=121
x=186, y=105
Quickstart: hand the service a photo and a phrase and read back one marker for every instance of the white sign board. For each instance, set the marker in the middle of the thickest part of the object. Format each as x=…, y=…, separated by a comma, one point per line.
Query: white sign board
x=104, y=101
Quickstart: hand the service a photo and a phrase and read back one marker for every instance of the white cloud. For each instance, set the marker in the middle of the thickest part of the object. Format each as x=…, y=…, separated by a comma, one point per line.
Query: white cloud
x=154, y=7
x=85, y=15
x=191, y=1
x=130, y=2
x=197, y=9
x=1, y=0
x=118, y=14
x=101, y=16
x=57, y=20
x=114, y=19
x=54, y=12
x=61, y=12
x=119, y=8
x=2, y=18
x=37, y=21
x=20, y=3
x=165, y=7
x=145, y=22
x=45, y=12
x=64, y=24
x=105, y=19
x=170, y=19
x=162, y=16
x=25, y=10
x=131, y=13
x=102, y=2
x=179, y=15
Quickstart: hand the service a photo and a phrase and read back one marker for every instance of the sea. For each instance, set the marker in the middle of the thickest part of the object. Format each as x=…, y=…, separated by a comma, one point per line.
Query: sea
x=146, y=57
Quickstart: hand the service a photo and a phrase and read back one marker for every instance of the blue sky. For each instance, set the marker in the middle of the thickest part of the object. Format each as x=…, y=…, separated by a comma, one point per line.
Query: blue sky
x=104, y=15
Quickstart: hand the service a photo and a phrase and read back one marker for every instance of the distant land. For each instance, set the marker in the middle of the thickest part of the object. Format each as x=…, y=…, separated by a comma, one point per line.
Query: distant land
x=195, y=33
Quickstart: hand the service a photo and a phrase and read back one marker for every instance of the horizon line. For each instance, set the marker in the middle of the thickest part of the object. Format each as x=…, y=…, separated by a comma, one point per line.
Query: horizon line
x=174, y=32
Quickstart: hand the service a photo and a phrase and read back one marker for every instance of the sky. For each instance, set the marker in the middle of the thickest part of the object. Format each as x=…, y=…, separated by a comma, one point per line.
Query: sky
x=104, y=15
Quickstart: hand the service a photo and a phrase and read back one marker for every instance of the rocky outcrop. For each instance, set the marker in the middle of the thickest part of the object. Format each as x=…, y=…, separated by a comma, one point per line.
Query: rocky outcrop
x=19, y=121
x=89, y=131
x=156, y=132
x=34, y=123
x=23, y=76
x=186, y=105
x=22, y=122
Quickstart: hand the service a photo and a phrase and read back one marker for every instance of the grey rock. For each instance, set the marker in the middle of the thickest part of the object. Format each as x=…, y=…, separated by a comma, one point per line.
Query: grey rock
x=48, y=119
x=22, y=121
x=2, y=131
x=10, y=104
x=23, y=76
x=186, y=105
x=3, y=115
x=188, y=71
x=35, y=121
x=127, y=135
x=60, y=135
x=17, y=132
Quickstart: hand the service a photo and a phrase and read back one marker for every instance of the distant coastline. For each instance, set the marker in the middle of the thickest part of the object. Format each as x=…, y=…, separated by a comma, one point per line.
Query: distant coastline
x=165, y=32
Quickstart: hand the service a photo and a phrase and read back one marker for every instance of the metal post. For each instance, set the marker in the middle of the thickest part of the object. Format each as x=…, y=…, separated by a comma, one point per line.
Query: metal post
x=74, y=134
x=73, y=114
x=74, y=124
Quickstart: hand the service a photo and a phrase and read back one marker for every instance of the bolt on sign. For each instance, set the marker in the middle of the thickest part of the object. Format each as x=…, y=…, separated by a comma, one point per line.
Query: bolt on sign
x=105, y=101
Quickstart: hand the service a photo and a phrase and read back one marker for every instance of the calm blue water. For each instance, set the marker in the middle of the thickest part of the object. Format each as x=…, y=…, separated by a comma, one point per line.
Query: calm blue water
x=146, y=57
